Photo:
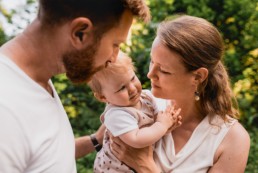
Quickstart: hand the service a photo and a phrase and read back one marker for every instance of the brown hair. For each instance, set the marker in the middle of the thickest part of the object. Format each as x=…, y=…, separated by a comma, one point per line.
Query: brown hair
x=104, y=14
x=121, y=66
x=200, y=45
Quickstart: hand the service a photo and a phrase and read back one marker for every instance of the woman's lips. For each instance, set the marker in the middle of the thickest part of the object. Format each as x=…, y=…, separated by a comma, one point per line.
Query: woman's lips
x=154, y=86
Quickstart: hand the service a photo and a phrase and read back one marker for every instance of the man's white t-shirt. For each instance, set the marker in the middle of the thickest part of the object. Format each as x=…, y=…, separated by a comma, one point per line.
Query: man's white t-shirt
x=35, y=133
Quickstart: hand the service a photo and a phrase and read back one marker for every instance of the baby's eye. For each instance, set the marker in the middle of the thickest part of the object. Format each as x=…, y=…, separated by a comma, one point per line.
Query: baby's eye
x=133, y=78
x=121, y=89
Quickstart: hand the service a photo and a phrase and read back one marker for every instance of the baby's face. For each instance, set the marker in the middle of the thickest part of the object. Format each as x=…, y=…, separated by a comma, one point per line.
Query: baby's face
x=123, y=89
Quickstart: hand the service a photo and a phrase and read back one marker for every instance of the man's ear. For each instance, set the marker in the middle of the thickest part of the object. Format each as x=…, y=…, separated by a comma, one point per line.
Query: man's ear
x=100, y=97
x=200, y=75
x=81, y=29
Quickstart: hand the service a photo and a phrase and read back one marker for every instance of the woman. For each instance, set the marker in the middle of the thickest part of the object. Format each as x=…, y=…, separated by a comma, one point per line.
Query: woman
x=186, y=66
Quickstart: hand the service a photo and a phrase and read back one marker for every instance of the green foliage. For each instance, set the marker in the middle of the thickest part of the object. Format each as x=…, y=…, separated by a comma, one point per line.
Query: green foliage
x=3, y=37
x=252, y=166
x=238, y=23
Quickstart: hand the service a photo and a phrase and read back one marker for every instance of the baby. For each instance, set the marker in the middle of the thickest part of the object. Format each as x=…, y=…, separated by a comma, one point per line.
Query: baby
x=130, y=114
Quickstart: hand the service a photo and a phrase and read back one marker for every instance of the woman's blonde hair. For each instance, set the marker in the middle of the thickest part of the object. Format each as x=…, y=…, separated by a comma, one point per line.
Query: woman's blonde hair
x=200, y=45
x=114, y=70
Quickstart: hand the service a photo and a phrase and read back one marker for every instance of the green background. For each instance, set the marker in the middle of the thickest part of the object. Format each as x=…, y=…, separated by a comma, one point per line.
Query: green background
x=237, y=20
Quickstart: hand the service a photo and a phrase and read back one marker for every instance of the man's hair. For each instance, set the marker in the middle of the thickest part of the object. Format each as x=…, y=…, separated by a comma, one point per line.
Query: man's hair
x=103, y=14
x=114, y=70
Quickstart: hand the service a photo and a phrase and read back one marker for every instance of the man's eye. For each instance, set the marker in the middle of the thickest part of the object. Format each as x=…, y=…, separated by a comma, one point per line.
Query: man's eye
x=116, y=45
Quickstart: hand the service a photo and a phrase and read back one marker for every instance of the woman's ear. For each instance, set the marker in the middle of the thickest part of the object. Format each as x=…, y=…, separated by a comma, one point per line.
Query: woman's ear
x=100, y=97
x=81, y=29
x=201, y=74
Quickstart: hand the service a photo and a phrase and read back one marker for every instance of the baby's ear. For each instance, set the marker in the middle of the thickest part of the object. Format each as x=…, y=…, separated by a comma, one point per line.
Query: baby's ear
x=100, y=97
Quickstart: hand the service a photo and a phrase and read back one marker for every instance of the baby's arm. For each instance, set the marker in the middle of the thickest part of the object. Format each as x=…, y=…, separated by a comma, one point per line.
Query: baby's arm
x=139, y=138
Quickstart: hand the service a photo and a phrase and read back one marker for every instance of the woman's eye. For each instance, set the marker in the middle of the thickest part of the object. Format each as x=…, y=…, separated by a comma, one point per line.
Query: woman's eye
x=150, y=65
x=162, y=71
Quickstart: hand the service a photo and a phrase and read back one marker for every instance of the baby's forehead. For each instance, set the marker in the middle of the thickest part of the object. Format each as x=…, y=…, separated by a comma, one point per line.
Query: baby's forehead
x=118, y=78
x=118, y=75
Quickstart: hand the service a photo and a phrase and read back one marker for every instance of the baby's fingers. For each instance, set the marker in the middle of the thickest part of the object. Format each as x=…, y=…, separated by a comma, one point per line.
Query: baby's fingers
x=179, y=120
x=177, y=112
x=175, y=115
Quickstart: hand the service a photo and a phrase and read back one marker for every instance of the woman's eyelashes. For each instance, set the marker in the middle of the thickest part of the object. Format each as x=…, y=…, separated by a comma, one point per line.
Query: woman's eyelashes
x=159, y=67
x=162, y=71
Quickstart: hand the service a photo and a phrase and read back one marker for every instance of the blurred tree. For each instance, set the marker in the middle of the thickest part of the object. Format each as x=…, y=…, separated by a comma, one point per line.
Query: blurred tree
x=238, y=23
x=7, y=16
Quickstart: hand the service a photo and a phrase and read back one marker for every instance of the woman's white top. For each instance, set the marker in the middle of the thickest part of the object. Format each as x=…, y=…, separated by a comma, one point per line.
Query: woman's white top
x=198, y=153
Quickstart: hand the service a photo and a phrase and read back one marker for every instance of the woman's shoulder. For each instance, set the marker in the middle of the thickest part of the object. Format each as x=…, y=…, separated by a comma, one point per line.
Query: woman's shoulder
x=234, y=128
x=237, y=133
x=237, y=140
x=233, y=149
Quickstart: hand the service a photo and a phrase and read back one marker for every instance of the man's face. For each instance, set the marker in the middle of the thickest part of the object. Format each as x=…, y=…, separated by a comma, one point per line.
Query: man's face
x=80, y=65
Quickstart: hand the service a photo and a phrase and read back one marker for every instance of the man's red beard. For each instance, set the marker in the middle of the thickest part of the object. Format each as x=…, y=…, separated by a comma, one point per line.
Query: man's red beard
x=79, y=65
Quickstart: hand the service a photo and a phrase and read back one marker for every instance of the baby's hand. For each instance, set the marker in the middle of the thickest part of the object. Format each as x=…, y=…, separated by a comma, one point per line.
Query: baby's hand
x=175, y=116
x=165, y=119
x=170, y=118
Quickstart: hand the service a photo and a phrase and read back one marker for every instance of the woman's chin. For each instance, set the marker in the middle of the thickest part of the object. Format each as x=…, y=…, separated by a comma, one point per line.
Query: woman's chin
x=156, y=93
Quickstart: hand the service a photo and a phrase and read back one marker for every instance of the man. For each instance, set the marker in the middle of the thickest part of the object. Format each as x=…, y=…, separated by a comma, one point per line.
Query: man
x=77, y=37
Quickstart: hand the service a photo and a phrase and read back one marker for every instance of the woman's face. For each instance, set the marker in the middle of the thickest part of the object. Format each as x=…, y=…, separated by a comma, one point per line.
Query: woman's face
x=169, y=78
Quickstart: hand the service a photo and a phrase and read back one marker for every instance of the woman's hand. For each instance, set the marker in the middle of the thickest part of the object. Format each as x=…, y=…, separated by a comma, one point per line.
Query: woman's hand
x=140, y=160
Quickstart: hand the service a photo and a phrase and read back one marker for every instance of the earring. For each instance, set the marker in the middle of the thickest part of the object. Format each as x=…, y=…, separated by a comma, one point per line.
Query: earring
x=196, y=96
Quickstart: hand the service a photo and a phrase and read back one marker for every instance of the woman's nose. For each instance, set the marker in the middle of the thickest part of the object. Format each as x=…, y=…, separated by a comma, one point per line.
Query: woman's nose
x=151, y=74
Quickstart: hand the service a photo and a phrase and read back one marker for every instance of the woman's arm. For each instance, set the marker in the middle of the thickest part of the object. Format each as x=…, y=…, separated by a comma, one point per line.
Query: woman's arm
x=141, y=160
x=84, y=146
x=232, y=154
